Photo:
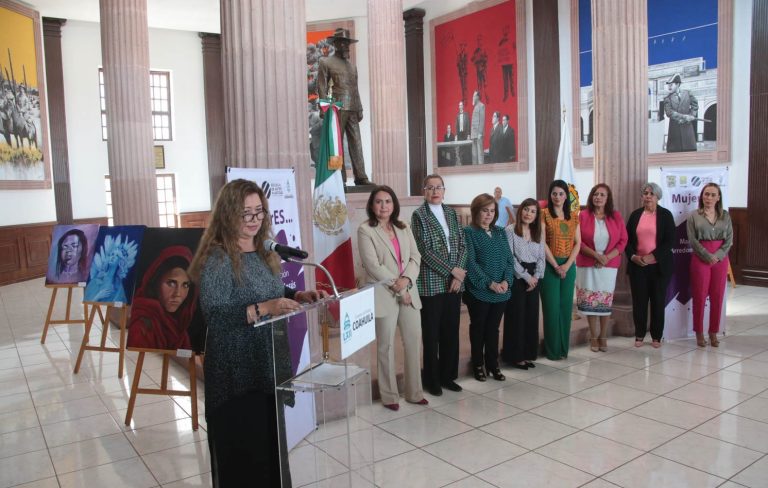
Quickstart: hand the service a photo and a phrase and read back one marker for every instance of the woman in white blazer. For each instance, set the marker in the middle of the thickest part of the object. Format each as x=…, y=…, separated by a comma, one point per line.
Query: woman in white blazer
x=388, y=253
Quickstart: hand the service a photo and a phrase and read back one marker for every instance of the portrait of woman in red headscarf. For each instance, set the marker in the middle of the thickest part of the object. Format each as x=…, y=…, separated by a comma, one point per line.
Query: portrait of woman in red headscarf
x=164, y=303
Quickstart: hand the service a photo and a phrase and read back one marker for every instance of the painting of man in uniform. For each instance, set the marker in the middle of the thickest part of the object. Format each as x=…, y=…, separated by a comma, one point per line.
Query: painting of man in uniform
x=476, y=68
x=682, y=75
x=21, y=148
x=72, y=248
x=112, y=273
x=164, y=313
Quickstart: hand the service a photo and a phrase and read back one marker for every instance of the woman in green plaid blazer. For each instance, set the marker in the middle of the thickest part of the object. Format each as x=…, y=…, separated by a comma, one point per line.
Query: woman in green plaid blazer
x=440, y=241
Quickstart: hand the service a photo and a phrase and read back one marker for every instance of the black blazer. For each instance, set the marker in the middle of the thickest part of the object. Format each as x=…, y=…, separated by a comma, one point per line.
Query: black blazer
x=665, y=238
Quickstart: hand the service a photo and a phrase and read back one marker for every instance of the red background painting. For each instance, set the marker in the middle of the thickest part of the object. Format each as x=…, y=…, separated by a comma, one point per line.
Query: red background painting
x=489, y=25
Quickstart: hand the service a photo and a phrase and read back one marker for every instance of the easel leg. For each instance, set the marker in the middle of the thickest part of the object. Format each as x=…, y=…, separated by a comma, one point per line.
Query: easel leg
x=69, y=304
x=86, y=334
x=134, y=388
x=193, y=390
x=164, y=380
x=104, y=326
x=121, y=346
x=50, y=313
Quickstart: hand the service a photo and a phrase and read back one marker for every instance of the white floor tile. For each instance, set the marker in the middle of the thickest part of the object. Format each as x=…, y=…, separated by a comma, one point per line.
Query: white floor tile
x=164, y=436
x=588, y=452
x=651, y=382
x=25, y=468
x=649, y=471
x=70, y=431
x=425, y=428
x=478, y=410
x=91, y=452
x=179, y=462
x=707, y=454
x=615, y=396
x=310, y=464
x=736, y=381
x=129, y=473
x=533, y=469
x=18, y=420
x=575, y=412
x=21, y=442
x=474, y=451
x=708, y=396
x=603, y=370
x=529, y=430
x=525, y=395
x=754, y=408
x=638, y=432
x=737, y=430
x=755, y=475
x=565, y=382
x=416, y=468
x=675, y=412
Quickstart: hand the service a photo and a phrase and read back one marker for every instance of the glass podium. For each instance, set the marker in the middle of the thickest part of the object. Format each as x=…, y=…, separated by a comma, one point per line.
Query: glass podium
x=323, y=391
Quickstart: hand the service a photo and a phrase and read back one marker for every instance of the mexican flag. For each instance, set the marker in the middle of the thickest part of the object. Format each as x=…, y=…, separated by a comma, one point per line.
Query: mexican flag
x=331, y=229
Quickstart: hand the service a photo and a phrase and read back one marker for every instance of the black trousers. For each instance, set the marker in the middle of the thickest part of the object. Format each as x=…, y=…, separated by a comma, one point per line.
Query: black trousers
x=648, y=286
x=521, y=324
x=440, y=316
x=484, y=319
x=245, y=445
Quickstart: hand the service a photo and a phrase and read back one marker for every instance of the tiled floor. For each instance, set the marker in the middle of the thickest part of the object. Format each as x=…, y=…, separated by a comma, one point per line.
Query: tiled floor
x=676, y=416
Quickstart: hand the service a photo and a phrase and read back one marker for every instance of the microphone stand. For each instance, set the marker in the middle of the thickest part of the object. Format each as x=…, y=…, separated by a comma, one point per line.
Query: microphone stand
x=324, y=323
x=336, y=293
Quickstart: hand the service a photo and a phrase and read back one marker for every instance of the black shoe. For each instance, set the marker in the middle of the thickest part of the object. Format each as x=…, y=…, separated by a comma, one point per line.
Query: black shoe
x=496, y=374
x=435, y=390
x=479, y=373
x=452, y=385
x=530, y=364
x=520, y=366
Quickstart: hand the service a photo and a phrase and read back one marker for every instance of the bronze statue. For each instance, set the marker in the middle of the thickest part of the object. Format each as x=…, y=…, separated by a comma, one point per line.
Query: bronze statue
x=343, y=75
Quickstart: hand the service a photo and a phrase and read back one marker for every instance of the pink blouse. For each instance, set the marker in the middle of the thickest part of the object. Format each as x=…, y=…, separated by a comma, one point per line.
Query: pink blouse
x=646, y=234
x=396, y=245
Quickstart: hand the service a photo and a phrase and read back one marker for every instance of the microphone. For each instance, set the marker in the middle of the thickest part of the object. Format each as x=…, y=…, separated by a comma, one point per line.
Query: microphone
x=283, y=251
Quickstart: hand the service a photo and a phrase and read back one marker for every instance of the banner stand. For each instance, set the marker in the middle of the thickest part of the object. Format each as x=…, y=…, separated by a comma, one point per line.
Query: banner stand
x=96, y=306
x=67, y=317
x=163, y=390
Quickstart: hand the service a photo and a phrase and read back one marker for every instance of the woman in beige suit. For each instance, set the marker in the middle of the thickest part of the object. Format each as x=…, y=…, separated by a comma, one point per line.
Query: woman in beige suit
x=388, y=253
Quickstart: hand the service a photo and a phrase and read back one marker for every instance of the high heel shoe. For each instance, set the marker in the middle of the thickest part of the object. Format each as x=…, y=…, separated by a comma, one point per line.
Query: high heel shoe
x=700, y=341
x=594, y=345
x=479, y=373
x=496, y=374
x=713, y=340
x=603, y=344
x=392, y=406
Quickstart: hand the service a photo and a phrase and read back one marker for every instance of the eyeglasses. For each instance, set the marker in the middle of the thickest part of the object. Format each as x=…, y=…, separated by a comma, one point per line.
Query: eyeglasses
x=250, y=217
x=648, y=192
x=434, y=188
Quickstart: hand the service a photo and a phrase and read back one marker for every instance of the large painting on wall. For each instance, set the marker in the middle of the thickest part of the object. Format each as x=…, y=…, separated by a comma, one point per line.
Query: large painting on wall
x=689, y=81
x=479, y=88
x=23, y=138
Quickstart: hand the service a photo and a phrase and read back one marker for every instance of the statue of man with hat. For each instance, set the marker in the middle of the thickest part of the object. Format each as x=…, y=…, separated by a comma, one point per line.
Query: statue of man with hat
x=681, y=107
x=343, y=74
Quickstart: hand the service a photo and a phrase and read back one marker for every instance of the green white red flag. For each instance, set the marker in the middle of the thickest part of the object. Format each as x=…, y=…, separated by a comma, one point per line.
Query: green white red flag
x=331, y=229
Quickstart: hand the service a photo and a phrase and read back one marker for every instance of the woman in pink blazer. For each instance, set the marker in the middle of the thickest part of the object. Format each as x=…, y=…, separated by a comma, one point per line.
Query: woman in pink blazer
x=603, y=238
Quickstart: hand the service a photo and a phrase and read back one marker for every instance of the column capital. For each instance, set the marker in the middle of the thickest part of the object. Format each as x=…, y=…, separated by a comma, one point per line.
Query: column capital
x=52, y=26
x=414, y=21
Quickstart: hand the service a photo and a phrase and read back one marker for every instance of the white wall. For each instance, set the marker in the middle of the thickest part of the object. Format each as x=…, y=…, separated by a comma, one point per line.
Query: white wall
x=177, y=51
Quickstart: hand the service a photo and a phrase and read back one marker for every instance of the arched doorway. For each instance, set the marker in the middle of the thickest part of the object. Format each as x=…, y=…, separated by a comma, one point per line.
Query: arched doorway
x=710, y=128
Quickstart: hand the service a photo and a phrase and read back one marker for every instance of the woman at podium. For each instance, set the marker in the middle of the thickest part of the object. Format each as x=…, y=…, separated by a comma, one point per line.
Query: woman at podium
x=239, y=286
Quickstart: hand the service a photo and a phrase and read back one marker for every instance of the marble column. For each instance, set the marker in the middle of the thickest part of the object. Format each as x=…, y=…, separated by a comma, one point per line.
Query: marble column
x=54, y=77
x=214, y=112
x=265, y=92
x=620, y=71
x=386, y=61
x=125, y=57
x=414, y=72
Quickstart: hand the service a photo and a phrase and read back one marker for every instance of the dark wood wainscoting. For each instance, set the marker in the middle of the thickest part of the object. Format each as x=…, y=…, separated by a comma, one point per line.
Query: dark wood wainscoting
x=746, y=273
x=24, y=249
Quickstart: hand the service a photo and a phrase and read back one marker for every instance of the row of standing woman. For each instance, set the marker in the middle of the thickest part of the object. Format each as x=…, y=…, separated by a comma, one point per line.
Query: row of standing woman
x=548, y=254
x=239, y=283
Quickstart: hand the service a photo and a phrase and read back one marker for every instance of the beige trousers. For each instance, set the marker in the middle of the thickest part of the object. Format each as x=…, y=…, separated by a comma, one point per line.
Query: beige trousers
x=409, y=321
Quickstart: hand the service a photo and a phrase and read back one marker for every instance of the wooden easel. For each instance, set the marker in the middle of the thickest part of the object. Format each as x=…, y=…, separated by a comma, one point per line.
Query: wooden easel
x=96, y=306
x=730, y=275
x=67, y=317
x=163, y=390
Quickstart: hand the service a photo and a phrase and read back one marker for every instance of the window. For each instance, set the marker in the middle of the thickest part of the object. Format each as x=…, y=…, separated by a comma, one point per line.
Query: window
x=160, y=99
x=166, y=200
